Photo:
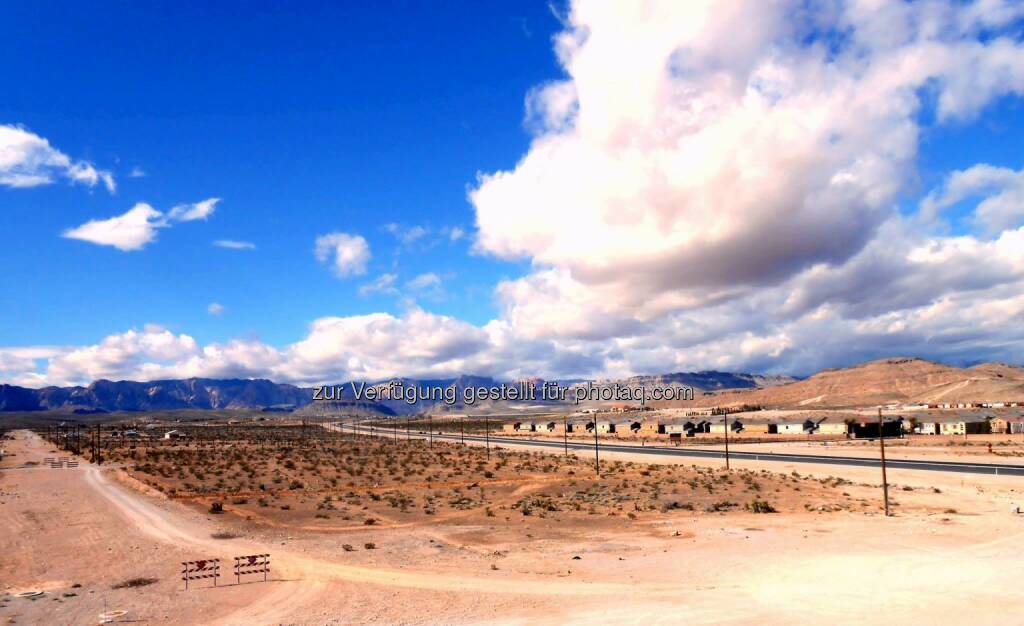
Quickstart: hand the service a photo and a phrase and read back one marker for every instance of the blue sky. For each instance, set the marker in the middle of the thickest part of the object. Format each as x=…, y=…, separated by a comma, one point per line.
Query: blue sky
x=512, y=189
x=346, y=117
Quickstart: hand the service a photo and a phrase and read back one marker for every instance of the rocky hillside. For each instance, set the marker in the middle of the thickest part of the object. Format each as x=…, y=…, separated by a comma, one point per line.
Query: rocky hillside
x=905, y=380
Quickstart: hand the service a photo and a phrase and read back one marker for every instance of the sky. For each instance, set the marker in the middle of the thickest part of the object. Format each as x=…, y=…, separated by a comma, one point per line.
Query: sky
x=320, y=192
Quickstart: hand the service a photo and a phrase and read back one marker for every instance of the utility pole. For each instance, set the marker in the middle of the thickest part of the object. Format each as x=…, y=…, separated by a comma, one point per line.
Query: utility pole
x=726, y=413
x=487, y=436
x=395, y=426
x=881, y=444
x=565, y=434
x=430, y=429
x=408, y=433
x=462, y=425
x=597, y=460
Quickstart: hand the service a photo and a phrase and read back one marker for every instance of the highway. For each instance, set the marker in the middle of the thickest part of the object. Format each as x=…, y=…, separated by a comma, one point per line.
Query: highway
x=662, y=451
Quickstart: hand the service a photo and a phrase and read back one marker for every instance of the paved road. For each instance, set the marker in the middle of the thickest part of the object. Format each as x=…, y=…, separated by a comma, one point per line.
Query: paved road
x=935, y=466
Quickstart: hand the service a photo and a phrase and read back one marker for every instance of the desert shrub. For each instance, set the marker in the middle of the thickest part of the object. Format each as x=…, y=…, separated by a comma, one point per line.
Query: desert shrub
x=760, y=506
x=718, y=507
x=216, y=507
x=132, y=583
x=369, y=545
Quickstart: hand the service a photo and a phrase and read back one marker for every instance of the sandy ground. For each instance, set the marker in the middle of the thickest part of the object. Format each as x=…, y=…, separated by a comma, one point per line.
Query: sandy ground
x=84, y=526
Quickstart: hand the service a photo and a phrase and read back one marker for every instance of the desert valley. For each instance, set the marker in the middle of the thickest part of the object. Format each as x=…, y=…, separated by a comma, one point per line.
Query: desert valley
x=490, y=518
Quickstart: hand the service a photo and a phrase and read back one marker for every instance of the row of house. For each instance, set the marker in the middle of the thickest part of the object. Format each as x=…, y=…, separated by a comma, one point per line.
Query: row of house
x=851, y=427
x=973, y=405
x=695, y=426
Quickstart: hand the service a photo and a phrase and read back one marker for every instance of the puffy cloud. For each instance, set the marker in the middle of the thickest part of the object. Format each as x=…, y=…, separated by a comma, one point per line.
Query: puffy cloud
x=137, y=227
x=149, y=354
x=232, y=244
x=347, y=254
x=725, y=169
x=131, y=231
x=28, y=160
x=215, y=308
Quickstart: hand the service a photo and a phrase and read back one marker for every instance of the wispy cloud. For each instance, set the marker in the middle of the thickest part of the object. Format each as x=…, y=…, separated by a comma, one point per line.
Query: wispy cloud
x=385, y=283
x=215, y=308
x=232, y=244
x=407, y=234
x=137, y=172
x=138, y=227
x=28, y=160
x=194, y=211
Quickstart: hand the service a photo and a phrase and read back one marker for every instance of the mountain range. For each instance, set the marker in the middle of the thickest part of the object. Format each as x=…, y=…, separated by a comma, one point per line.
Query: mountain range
x=867, y=384
x=261, y=394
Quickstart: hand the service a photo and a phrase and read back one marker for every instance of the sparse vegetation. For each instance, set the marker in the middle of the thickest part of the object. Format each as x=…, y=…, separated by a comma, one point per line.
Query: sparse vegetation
x=285, y=473
x=132, y=583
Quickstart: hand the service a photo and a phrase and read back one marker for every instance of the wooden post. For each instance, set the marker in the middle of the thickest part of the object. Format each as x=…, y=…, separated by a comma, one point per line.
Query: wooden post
x=565, y=434
x=597, y=460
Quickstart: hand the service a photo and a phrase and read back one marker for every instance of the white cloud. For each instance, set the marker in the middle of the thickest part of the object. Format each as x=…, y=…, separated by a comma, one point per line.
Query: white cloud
x=138, y=227
x=131, y=231
x=215, y=308
x=28, y=160
x=193, y=211
x=385, y=283
x=737, y=174
x=1002, y=190
x=455, y=233
x=232, y=244
x=424, y=281
x=347, y=254
x=137, y=172
x=407, y=234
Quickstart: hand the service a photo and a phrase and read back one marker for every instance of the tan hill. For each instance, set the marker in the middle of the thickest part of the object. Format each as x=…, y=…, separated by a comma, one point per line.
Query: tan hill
x=999, y=370
x=903, y=380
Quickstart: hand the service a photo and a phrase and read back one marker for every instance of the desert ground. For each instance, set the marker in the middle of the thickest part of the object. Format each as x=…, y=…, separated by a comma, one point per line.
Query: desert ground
x=518, y=537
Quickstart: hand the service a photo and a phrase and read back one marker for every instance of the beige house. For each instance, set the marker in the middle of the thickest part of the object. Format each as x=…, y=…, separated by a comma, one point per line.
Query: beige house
x=1007, y=425
x=963, y=427
x=650, y=428
x=825, y=426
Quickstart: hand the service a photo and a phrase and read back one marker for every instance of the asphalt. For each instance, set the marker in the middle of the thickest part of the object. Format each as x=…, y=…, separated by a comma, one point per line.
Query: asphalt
x=933, y=466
